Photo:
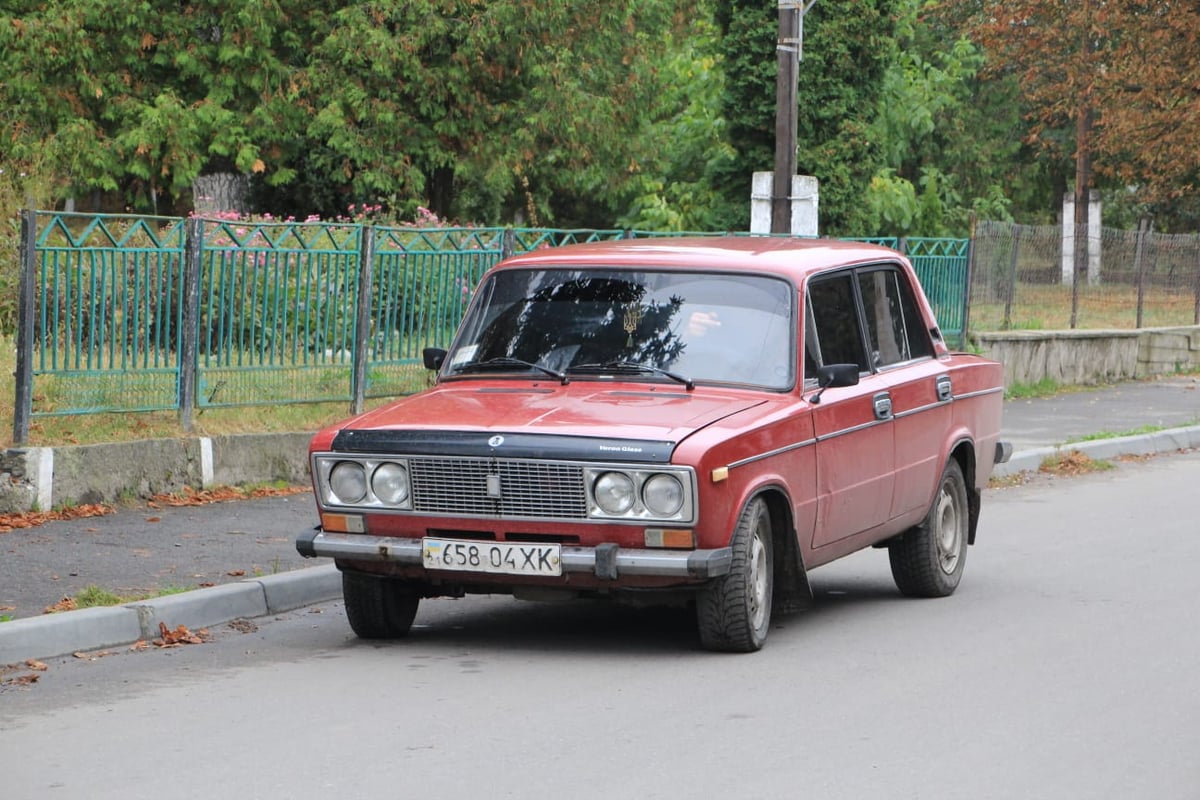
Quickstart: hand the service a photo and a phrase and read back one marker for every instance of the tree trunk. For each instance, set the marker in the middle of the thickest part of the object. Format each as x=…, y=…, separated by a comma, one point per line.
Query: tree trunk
x=221, y=191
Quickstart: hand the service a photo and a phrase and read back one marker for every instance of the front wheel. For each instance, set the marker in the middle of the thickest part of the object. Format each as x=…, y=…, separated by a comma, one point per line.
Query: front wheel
x=377, y=607
x=733, y=612
x=928, y=560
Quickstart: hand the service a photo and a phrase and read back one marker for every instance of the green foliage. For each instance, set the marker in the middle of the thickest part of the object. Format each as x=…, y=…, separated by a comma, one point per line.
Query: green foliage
x=946, y=136
x=23, y=184
x=676, y=191
x=847, y=47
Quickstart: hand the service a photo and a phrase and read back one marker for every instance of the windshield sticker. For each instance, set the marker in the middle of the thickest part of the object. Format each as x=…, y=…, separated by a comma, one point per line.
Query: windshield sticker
x=464, y=354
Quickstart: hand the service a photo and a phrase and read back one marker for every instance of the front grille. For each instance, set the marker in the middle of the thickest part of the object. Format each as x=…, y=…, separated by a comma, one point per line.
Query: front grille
x=525, y=488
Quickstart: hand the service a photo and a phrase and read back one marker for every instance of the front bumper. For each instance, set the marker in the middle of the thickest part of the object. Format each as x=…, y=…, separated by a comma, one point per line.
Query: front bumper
x=606, y=561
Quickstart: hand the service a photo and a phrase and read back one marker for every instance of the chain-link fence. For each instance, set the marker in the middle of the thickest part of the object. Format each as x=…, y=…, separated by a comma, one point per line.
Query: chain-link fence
x=1043, y=278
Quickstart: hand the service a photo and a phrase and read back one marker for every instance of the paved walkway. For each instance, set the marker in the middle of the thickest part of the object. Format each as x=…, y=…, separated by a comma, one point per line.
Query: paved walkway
x=244, y=549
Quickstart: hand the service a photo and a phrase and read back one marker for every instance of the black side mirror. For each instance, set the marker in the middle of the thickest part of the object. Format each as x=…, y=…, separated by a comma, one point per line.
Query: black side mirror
x=834, y=375
x=434, y=358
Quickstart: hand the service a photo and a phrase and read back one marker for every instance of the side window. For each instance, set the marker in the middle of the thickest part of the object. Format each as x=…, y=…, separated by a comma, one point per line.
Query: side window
x=894, y=327
x=833, y=318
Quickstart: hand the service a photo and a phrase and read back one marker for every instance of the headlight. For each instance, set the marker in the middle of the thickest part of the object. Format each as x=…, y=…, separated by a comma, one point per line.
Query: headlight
x=348, y=482
x=614, y=493
x=663, y=495
x=390, y=484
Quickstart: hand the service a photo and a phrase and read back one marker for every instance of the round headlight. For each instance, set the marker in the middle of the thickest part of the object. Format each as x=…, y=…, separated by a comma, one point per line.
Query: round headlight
x=614, y=492
x=663, y=495
x=348, y=482
x=390, y=484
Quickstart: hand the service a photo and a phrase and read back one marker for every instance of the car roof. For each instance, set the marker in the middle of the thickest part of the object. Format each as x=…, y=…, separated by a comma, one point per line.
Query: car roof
x=796, y=258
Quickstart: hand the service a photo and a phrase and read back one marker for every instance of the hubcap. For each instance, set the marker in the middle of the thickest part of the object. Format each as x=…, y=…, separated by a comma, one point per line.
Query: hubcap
x=949, y=530
x=759, y=576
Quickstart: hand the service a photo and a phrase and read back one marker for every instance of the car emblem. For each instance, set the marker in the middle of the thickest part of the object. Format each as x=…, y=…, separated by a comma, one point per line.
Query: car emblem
x=495, y=441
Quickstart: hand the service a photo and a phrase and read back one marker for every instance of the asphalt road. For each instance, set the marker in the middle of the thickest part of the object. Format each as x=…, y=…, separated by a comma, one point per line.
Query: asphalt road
x=1066, y=666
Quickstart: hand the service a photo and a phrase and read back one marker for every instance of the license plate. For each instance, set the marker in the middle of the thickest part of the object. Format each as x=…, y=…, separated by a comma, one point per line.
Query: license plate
x=497, y=557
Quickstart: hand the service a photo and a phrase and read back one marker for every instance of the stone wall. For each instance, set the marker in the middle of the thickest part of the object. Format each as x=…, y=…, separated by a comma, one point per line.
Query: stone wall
x=1093, y=356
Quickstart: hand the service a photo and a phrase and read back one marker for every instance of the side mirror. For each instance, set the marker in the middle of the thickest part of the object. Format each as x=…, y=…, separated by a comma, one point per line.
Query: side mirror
x=434, y=358
x=835, y=375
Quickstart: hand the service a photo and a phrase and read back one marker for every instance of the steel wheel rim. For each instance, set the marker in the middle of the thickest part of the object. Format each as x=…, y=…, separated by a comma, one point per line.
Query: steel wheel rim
x=759, y=576
x=948, y=518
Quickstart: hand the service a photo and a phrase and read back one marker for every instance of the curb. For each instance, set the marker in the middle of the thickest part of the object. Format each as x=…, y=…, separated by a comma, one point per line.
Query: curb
x=69, y=632
x=1165, y=441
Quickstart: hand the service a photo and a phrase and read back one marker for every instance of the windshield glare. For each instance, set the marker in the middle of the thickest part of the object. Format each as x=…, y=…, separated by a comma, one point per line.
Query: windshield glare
x=703, y=326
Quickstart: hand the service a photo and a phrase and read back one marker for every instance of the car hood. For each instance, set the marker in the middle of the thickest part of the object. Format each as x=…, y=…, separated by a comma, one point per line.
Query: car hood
x=644, y=422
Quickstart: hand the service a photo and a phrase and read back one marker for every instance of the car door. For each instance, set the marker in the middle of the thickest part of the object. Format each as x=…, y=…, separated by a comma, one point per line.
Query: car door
x=917, y=385
x=853, y=425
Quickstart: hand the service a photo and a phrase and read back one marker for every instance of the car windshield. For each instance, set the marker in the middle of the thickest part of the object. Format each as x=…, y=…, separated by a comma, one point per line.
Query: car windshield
x=645, y=325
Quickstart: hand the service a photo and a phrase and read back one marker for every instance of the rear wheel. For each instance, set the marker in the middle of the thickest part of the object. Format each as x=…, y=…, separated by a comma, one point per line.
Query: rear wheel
x=928, y=560
x=377, y=607
x=733, y=612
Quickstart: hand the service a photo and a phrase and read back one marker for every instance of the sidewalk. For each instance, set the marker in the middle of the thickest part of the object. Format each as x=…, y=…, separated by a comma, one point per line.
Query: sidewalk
x=245, y=551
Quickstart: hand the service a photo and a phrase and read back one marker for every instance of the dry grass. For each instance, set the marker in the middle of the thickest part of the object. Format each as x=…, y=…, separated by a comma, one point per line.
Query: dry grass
x=1048, y=307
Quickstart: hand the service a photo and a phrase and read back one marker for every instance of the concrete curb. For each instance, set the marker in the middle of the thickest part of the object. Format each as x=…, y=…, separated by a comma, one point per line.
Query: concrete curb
x=1165, y=441
x=69, y=632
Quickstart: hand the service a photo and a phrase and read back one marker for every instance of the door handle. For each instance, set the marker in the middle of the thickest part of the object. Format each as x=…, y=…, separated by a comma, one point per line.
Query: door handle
x=883, y=405
x=945, y=390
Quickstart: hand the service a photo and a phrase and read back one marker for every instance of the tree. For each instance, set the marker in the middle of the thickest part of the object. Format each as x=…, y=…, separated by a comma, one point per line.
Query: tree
x=1112, y=82
x=141, y=97
x=846, y=52
x=480, y=109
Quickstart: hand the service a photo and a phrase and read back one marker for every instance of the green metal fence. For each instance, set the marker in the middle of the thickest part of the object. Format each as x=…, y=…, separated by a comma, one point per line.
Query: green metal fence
x=122, y=313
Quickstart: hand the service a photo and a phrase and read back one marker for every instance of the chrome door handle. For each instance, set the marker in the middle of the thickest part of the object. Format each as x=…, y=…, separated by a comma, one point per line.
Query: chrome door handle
x=945, y=390
x=883, y=405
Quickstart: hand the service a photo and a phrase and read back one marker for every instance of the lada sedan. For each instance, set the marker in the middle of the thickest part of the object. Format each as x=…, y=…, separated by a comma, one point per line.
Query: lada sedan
x=679, y=420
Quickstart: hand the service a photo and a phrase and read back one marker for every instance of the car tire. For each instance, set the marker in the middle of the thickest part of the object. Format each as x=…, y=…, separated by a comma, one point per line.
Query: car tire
x=377, y=607
x=733, y=612
x=928, y=560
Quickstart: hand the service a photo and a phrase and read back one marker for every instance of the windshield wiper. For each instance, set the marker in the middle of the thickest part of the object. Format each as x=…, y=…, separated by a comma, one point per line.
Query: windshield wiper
x=505, y=361
x=631, y=366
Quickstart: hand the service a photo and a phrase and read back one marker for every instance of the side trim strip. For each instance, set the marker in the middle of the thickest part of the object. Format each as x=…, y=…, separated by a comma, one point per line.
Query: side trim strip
x=778, y=451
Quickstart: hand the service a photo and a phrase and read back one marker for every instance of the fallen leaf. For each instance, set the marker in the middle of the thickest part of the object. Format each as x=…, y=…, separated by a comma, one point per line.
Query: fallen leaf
x=66, y=604
x=140, y=644
x=31, y=519
x=36, y=666
x=153, y=519
x=236, y=573
x=8, y=608
x=93, y=656
x=181, y=635
x=21, y=680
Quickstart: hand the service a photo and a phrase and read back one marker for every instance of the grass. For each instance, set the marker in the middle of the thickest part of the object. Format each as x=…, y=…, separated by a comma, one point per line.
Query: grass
x=93, y=596
x=1048, y=307
x=1103, y=435
x=1046, y=387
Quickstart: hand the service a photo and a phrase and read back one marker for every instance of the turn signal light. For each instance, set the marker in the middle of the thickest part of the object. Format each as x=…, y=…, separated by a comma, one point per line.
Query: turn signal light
x=677, y=539
x=343, y=523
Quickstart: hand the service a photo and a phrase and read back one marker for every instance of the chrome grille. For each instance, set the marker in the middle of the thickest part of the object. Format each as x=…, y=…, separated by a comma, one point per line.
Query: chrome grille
x=526, y=488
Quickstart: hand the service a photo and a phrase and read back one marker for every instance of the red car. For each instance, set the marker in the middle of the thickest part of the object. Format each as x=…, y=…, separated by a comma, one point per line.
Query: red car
x=700, y=420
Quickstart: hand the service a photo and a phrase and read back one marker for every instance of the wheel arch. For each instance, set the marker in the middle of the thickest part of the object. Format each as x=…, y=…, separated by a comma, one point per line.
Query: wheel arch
x=964, y=453
x=790, y=579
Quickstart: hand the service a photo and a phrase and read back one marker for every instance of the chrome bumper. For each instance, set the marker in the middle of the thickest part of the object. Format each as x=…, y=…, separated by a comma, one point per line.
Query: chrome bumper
x=605, y=561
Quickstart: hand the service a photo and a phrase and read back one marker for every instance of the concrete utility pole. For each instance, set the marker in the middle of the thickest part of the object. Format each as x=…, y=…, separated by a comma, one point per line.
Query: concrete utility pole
x=790, y=50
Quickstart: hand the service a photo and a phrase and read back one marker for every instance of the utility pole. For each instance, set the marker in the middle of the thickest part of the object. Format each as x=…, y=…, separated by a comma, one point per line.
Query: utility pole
x=789, y=51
